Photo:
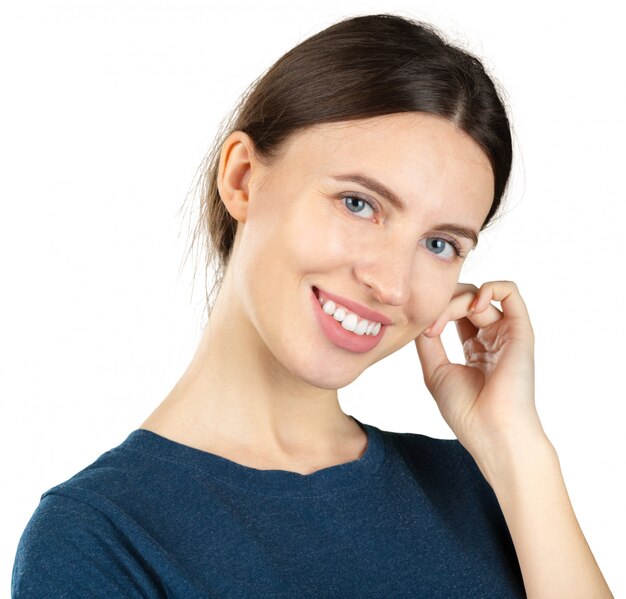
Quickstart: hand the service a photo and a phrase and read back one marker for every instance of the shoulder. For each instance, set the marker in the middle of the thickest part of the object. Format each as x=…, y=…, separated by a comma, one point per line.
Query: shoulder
x=443, y=466
x=450, y=478
x=71, y=549
x=429, y=452
x=81, y=542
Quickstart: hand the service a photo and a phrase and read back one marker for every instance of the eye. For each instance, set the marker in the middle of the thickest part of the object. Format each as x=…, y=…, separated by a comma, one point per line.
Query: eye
x=444, y=247
x=356, y=205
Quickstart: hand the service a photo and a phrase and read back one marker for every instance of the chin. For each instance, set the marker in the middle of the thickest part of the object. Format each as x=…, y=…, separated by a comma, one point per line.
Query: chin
x=333, y=374
x=331, y=382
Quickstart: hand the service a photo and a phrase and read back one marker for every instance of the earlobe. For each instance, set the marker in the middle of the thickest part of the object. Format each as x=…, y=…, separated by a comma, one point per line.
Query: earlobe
x=236, y=163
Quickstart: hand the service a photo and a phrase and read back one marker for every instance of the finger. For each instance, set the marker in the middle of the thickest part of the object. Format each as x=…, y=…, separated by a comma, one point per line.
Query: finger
x=505, y=292
x=459, y=308
x=465, y=329
x=463, y=287
x=432, y=356
x=486, y=316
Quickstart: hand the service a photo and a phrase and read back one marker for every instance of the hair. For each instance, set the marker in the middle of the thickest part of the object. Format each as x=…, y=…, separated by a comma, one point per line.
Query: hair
x=360, y=67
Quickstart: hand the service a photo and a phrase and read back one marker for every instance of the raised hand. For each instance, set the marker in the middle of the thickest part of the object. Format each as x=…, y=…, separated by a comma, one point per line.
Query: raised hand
x=489, y=400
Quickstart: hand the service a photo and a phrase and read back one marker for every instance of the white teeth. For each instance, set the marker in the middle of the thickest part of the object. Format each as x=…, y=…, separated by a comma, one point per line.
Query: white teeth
x=362, y=327
x=329, y=307
x=349, y=322
x=339, y=314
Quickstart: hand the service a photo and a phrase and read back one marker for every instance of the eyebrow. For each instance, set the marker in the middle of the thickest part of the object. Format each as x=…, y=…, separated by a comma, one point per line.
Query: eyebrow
x=376, y=186
x=382, y=190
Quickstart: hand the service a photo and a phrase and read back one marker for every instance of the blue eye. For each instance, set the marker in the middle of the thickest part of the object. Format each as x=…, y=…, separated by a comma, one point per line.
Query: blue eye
x=440, y=246
x=355, y=204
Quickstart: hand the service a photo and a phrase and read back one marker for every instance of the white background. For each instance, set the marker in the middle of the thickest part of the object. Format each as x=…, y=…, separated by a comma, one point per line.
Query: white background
x=107, y=109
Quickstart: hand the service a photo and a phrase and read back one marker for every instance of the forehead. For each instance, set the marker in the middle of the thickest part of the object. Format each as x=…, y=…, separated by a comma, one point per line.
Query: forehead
x=421, y=157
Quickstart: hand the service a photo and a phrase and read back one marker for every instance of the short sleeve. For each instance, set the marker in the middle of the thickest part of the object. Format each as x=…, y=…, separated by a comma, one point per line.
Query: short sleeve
x=70, y=549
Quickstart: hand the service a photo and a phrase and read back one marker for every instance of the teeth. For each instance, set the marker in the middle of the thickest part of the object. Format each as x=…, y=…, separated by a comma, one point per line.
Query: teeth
x=362, y=327
x=339, y=314
x=329, y=307
x=349, y=320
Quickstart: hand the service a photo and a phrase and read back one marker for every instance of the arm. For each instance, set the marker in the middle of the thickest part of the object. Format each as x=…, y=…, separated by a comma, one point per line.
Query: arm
x=554, y=556
x=489, y=404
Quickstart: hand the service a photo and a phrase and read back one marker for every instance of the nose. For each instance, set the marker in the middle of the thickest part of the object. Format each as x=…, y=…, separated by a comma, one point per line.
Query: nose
x=387, y=272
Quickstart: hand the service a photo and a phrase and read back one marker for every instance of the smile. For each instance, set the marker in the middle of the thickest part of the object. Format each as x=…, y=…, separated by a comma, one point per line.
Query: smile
x=349, y=320
x=344, y=328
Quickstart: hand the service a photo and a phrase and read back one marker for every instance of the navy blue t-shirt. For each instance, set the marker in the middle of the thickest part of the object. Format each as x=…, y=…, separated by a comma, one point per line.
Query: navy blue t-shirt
x=412, y=517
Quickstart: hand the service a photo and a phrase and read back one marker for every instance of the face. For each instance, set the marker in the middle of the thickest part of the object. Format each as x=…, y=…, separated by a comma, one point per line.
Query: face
x=313, y=228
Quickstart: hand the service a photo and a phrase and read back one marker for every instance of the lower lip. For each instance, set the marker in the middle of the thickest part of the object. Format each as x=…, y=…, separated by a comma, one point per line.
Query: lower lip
x=341, y=337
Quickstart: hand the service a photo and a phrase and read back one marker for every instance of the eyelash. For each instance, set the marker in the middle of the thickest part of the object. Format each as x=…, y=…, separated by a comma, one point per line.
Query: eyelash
x=458, y=250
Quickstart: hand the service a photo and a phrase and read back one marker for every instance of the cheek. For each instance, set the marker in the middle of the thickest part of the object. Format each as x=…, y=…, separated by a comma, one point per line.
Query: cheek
x=317, y=239
x=430, y=297
x=284, y=239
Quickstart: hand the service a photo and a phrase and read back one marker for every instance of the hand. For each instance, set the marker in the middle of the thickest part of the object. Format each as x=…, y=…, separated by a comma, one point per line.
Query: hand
x=489, y=400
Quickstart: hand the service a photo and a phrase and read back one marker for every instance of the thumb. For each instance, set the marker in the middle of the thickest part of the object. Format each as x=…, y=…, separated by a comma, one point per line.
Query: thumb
x=432, y=356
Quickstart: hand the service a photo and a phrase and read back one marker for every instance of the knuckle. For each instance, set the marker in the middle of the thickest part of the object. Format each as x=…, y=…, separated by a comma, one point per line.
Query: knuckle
x=467, y=287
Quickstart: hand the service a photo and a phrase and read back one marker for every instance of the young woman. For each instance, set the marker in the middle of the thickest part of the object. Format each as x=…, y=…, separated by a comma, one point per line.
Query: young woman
x=339, y=204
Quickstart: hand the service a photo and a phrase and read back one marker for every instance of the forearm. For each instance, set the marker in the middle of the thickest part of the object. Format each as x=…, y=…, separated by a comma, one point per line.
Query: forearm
x=553, y=554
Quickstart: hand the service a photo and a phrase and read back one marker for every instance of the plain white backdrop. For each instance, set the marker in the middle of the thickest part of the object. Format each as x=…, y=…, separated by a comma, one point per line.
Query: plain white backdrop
x=108, y=107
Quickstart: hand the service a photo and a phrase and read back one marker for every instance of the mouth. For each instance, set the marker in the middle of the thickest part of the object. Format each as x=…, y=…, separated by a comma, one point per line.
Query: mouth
x=344, y=328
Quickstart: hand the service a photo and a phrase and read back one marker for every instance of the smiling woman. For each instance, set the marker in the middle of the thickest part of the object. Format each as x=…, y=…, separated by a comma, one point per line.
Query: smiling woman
x=337, y=209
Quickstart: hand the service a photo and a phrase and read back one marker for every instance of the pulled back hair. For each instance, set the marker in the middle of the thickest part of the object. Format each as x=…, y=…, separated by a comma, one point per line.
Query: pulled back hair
x=360, y=67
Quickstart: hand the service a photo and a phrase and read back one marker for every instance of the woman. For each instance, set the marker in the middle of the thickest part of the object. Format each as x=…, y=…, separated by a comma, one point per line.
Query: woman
x=340, y=204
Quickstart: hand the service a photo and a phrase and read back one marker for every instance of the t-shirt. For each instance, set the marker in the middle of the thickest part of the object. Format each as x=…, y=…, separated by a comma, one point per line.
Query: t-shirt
x=412, y=517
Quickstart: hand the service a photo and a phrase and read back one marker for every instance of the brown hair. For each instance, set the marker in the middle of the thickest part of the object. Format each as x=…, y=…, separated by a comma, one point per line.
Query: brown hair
x=360, y=67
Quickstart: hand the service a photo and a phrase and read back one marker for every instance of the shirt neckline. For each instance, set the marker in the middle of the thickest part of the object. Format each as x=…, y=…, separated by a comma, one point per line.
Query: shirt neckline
x=335, y=478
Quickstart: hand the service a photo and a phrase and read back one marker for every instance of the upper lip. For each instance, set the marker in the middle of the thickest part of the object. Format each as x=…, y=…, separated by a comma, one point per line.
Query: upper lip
x=357, y=308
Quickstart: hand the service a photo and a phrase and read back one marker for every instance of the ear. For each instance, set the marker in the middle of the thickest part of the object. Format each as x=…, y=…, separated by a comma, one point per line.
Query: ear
x=235, y=167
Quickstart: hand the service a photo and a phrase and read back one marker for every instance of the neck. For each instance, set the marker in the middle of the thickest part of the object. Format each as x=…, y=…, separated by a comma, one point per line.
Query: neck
x=235, y=394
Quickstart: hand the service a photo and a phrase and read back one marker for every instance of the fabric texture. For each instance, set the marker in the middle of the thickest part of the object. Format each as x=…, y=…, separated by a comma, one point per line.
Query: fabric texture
x=153, y=518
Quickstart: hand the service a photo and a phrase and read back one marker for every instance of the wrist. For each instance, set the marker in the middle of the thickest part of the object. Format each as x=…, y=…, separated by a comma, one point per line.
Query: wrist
x=508, y=461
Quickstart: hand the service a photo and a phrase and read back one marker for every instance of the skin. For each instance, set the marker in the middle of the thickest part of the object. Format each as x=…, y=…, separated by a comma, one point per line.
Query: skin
x=261, y=389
